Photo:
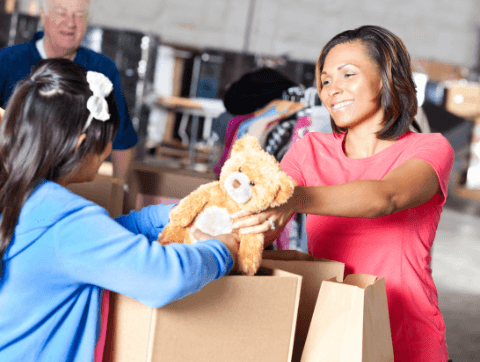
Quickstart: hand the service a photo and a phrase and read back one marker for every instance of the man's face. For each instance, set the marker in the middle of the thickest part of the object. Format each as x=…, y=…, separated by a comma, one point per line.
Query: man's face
x=65, y=23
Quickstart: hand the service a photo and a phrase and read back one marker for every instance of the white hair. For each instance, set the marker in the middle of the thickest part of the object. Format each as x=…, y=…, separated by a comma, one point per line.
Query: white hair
x=44, y=5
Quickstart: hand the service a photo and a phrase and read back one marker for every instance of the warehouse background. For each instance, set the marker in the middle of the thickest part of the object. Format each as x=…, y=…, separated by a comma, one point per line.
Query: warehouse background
x=446, y=32
x=442, y=30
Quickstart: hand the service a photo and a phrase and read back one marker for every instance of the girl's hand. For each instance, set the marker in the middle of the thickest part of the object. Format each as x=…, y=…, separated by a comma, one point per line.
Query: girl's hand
x=231, y=241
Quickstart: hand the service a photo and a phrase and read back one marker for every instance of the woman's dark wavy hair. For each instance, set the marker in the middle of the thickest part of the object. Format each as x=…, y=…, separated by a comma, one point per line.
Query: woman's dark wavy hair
x=39, y=132
x=398, y=98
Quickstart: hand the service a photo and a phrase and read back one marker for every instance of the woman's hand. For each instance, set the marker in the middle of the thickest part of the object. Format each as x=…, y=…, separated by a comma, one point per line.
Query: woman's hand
x=231, y=241
x=270, y=222
x=2, y=111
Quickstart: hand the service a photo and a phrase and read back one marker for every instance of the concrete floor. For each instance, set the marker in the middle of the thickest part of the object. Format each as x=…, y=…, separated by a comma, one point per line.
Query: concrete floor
x=456, y=271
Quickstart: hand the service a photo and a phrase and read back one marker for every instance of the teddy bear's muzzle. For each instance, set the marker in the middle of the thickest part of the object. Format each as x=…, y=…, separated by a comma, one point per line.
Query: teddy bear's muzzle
x=238, y=187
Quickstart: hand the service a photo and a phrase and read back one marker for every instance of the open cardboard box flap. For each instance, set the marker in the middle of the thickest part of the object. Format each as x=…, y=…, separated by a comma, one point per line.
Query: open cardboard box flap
x=235, y=318
x=314, y=271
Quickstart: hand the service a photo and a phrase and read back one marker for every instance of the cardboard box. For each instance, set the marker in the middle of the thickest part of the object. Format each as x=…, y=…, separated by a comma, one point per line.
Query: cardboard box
x=463, y=99
x=149, y=178
x=314, y=271
x=105, y=191
x=234, y=319
x=438, y=71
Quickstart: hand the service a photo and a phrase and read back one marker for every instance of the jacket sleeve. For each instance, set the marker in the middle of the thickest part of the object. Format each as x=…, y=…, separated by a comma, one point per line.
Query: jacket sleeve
x=150, y=221
x=94, y=249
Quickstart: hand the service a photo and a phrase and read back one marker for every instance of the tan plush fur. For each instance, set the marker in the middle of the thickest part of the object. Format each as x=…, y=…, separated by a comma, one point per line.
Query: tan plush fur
x=254, y=179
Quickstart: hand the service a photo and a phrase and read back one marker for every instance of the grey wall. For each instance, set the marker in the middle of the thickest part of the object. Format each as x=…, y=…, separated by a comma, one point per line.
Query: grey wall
x=442, y=30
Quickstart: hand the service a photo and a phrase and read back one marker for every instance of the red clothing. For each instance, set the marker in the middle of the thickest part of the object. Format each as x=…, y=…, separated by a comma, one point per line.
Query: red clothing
x=396, y=246
x=230, y=137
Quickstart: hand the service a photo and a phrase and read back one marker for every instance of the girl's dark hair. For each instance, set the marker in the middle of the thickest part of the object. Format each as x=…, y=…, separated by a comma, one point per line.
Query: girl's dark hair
x=39, y=131
x=398, y=98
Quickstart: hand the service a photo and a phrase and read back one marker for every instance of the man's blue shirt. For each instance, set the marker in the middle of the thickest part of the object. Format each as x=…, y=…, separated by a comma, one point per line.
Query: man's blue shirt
x=17, y=62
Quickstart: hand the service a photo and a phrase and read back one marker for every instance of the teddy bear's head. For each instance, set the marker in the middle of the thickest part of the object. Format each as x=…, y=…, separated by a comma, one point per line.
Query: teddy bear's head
x=253, y=178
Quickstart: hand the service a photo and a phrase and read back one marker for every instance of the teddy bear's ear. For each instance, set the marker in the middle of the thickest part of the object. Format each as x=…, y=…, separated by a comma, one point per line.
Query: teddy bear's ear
x=287, y=185
x=247, y=142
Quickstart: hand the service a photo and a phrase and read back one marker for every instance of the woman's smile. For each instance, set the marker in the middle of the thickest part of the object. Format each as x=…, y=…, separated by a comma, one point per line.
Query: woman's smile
x=341, y=105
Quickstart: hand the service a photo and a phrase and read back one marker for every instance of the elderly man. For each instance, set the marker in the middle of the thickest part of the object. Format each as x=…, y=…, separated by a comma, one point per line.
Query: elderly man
x=65, y=24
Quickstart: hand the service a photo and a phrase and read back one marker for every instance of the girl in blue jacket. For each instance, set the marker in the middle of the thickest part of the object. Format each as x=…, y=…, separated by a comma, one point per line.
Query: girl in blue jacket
x=59, y=251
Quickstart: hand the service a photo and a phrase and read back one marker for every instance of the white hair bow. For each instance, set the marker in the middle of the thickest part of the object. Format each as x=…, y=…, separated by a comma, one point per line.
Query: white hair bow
x=101, y=87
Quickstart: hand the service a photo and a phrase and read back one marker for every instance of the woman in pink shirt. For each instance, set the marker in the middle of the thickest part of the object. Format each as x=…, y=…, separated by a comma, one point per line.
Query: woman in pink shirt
x=373, y=190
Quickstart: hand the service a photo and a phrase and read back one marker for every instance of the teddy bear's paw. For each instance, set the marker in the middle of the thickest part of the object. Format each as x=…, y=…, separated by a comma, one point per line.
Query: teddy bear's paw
x=162, y=240
x=250, y=253
x=171, y=234
x=249, y=266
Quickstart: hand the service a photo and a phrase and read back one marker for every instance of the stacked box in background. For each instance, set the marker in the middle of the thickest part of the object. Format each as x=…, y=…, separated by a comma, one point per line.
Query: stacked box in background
x=463, y=100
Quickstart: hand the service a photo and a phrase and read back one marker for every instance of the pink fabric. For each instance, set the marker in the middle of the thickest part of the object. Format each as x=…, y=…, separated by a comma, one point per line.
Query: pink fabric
x=301, y=128
x=396, y=246
x=105, y=306
x=230, y=137
x=299, y=131
x=283, y=240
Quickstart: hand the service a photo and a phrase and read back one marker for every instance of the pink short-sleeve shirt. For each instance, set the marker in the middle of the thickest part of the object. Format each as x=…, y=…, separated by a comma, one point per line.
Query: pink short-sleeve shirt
x=396, y=246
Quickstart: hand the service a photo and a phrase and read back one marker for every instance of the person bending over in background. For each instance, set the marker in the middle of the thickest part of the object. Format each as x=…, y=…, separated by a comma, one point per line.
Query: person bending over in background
x=373, y=190
x=58, y=250
x=65, y=24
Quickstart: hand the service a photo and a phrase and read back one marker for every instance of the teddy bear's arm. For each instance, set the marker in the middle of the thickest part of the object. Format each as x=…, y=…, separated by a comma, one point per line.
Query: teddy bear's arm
x=189, y=207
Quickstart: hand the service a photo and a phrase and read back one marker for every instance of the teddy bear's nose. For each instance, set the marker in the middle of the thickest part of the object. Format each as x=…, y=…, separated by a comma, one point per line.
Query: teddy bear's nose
x=236, y=184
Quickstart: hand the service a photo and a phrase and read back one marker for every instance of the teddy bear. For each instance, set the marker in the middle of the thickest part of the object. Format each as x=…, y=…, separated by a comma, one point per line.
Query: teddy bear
x=252, y=180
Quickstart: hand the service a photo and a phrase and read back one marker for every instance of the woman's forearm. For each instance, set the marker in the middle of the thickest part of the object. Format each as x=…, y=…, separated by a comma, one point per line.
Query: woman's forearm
x=366, y=198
